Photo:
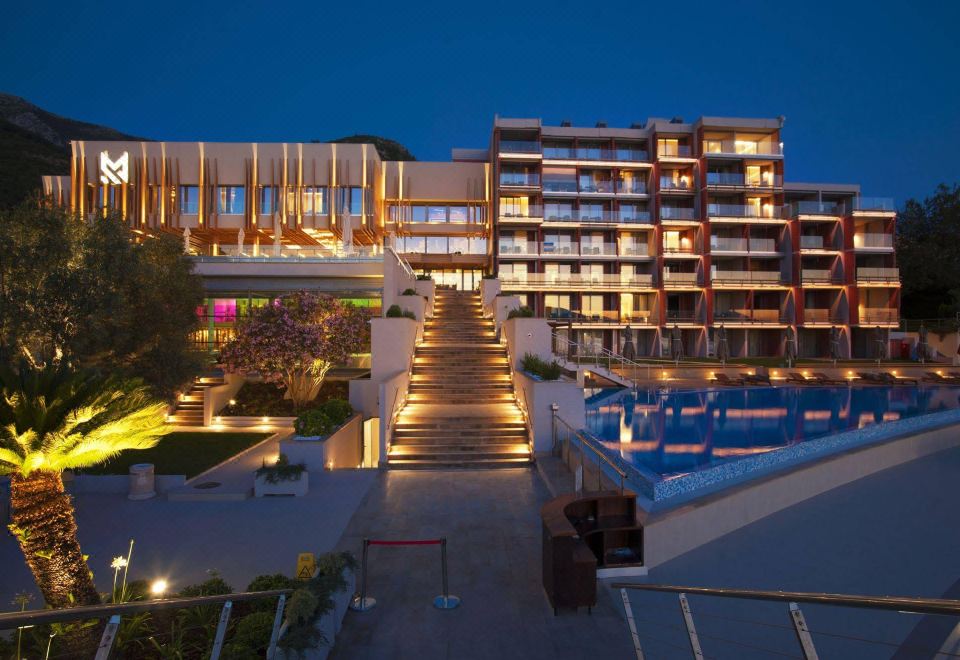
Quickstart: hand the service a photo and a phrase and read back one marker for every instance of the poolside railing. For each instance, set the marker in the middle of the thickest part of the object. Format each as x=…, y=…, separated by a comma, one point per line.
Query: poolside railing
x=565, y=438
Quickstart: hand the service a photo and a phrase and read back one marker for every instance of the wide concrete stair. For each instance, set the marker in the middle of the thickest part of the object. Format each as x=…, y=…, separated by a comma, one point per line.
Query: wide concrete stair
x=461, y=410
x=189, y=410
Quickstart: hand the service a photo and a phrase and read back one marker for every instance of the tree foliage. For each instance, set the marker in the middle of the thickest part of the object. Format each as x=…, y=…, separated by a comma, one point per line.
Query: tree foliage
x=928, y=254
x=84, y=291
x=296, y=340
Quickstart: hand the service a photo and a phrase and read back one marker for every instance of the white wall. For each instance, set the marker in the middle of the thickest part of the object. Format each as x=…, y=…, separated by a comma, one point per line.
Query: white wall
x=215, y=398
x=502, y=306
x=341, y=450
x=427, y=288
x=527, y=335
x=489, y=289
x=540, y=396
x=416, y=304
x=392, y=343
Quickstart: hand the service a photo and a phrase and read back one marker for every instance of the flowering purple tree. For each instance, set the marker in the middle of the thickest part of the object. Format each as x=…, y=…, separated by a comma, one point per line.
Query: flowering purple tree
x=295, y=340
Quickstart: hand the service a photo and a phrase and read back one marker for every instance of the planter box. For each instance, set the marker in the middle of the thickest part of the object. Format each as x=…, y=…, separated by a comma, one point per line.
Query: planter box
x=295, y=487
x=328, y=625
x=340, y=449
x=540, y=395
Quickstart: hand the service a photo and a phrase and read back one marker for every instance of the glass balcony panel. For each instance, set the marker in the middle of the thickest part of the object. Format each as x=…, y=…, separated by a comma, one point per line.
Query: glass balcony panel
x=811, y=242
x=816, y=275
x=634, y=217
x=517, y=248
x=634, y=250
x=744, y=211
x=763, y=245
x=668, y=183
x=598, y=249
x=878, y=274
x=742, y=147
x=721, y=244
x=747, y=276
x=559, y=186
x=554, y=248
x=560, y=153
x=676, y=213
x=673, y=277
x=519, y=147
x=873, y=240
x=521, y=212
x=878, y=315
x=815, y=208
x=519, y=179
x=873, y=204
x=632, y=187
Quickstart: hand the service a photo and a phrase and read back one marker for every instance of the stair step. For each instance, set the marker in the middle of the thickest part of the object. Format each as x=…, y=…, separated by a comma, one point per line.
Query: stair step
x=479, y=463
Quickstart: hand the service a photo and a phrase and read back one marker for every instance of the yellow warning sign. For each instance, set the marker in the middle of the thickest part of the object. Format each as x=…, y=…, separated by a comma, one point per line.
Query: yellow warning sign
x=306, y=565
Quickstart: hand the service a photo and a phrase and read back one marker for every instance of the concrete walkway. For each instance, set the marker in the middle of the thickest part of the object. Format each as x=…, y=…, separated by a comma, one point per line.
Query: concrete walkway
x=491, y=519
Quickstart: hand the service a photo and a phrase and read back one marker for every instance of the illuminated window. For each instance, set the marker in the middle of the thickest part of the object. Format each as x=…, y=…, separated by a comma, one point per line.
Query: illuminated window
x=315, y=200
x=458, y=214
x=668, y=147
x=436, y=214
x=268, y=200
x=189, y=200
x=230, y=200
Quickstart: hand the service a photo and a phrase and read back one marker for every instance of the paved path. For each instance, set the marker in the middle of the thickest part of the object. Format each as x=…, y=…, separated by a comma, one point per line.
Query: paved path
x=492, y=521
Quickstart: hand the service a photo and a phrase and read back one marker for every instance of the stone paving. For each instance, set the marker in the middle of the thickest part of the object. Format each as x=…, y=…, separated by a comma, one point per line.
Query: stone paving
x=491, y=519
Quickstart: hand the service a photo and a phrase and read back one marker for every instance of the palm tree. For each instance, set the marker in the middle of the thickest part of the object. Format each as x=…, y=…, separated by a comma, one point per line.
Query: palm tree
x=54, y=418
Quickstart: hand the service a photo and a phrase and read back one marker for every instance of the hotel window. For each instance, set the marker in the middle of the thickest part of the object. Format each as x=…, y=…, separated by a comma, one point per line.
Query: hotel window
x=315, y=200
x=415, y=244
x=668, y=147
x=515, y=207
x=478, y=246
x=713, y=146
x=189, y=200
x=268, y=200
x=458, y=214
x=459, y=245
x=745, y=146
x=436, y=214
x=436, y=245
x=350, y=200
x=557, y=306
x=230, y=200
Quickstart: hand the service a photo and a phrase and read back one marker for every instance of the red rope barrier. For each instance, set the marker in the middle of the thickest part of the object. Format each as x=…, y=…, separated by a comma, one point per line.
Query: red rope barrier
x=424, y=542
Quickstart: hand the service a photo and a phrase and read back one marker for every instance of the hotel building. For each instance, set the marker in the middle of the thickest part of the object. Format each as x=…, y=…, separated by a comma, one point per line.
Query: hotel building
x=666, y=227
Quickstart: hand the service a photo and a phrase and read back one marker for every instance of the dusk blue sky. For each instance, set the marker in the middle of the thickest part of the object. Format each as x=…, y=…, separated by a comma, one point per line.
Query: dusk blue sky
x=870, y=90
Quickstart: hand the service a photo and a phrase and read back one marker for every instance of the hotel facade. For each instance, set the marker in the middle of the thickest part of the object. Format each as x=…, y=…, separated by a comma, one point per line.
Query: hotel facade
x=664, y=228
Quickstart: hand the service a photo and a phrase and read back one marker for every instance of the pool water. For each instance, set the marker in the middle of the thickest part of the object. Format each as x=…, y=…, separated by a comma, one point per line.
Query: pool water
x=666, y=434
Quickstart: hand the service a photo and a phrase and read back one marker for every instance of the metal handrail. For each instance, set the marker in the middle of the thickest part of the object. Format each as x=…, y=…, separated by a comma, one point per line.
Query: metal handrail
x=11, y=620
x=888, y=603
x=608, y=355
x=584, y=442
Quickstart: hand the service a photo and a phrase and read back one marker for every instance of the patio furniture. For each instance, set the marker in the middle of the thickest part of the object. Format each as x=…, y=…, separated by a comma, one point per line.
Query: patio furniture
x=932, y=377
x=824, y=379
x=799, y=379
x=724, y=379
x=755, y=379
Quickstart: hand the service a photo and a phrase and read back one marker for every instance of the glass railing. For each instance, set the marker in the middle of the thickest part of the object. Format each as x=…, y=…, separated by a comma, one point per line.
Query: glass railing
x=676, y=213
x=720, y=244
x=878, y=315
x=682, y=316
x=517, y=212
x=560, y=153
x=518, y=248
x=668, y=151
x=763, y=245
x=515, y=179
x=668, y=183
x=724, y=179
x=815, y=208
x=815, y=315
x=635, y=217
x=631, y=155
x=598, y=249
x=268, y=252
x=811, y=242
x=560, y=186
x=678, y=249
x=873, y=204
x=592, y=153
x=878, y=274
x=673, y=277
x=746, y=276
x=631, y=188
x=748, y=315
x=580, y=215
x=565, y=249
x=595, y=186
x=634, y=250
x=816, y=276
x=742, y=147
x=873, y=240
x=744, y=211
x=575, y=280
x=519, y=147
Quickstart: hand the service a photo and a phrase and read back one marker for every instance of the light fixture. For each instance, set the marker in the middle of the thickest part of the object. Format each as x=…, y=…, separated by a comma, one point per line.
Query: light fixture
x=158, y=587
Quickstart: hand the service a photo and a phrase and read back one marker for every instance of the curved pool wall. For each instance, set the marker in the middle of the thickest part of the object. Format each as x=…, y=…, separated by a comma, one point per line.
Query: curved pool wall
x=805, y=446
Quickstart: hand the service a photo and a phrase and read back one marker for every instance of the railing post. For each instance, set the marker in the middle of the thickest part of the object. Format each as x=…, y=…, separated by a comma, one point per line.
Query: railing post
x=691, y=629
x=445, y=601
x=360, y=602
x=221, y=630
x=633, y=626
x=275, y=633
x=106, y=641
x=803, y=633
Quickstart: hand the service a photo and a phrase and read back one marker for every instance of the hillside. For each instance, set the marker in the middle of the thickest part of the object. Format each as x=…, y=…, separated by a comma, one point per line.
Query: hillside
x=388, y=149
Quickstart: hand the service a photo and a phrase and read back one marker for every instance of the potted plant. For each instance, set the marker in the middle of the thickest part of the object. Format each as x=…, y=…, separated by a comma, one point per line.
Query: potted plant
x=281, y=478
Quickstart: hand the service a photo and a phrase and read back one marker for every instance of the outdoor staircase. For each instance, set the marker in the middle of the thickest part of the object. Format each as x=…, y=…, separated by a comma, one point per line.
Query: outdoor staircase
x=189, y=410
x=461, y=410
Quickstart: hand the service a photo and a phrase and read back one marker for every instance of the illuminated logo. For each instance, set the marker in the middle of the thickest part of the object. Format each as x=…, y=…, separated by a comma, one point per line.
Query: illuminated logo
x=114, y=171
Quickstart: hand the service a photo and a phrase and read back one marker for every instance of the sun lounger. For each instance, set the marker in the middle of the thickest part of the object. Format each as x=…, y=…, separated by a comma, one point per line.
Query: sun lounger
x=799, y=379
x=883, y=378
x=954, y=374
x=724, y=379
x=751, y=379
x=824, y=379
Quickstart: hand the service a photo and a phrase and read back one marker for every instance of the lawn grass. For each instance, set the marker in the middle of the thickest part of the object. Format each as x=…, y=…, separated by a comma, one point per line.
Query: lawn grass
x=188, y=453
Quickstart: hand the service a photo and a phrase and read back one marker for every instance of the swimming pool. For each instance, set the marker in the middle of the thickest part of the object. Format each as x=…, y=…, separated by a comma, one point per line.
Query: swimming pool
x=662, y=436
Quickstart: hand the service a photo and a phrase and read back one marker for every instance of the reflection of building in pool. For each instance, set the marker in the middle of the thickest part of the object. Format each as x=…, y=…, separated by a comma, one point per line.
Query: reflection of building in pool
x=686, y=431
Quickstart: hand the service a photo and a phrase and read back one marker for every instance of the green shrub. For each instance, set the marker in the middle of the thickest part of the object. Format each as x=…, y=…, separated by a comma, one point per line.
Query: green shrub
x=407, y=314
x=426, y=277
x=409, y=292
x=314, y=422
x=271, y=582
x=337, y=410
x=394, y=312
x=282, y=470
x=537, y=366
x=489, y=276
x=252, y=634
x=520, y=312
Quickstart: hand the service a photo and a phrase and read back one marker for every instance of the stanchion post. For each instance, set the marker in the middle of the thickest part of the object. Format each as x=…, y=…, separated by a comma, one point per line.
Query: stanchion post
x=360, y=602
x=445, y=601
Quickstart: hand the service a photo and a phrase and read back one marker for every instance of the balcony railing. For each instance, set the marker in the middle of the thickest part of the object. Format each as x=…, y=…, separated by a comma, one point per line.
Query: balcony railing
x=747, y=276
x=878, y=315
x=763, y=245
x=742, y=147
x=744, y=211
x=749, y=315
x=589, y=153
x=611, y=282
x=815, y=208
x=596, y=186
x=873, y=204
x=673, y=277
x=598, y=249
x=818, y=315
x=676, y=213
x=873, y=240
x=519, y=147
x=267, y=253
x=560, y=186
x=634, y=250
x=669, y=183
x=531, y=180
x=579, y=215
x=634, y=217
x=677, y=249
x=737, y=179
x=518, y=213
x=817, y=276
x=631, y=187
x=721, y=244
x=565, y=249
x=514, y=248
x=682, y=316
x=674, y=151
x=878, y=274
x=811, y=242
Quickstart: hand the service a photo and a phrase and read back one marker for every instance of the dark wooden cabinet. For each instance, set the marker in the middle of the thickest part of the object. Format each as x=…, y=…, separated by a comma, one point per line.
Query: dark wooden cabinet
x=583, y=533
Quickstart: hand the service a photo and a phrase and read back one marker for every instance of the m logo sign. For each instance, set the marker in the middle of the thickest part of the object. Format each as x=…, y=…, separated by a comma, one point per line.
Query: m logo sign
x=114, y=171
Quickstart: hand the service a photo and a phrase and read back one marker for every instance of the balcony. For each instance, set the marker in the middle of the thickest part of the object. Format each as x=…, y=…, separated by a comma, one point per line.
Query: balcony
x=575, y=281
x=580, y=215
x=882, y=275
x=720, y=244
x=631, y=188
x=549, y=248
x=676, y=213
x=674, y=151
x=817, y=276
x=560, y=186
x=519, y=214
x=596, y=186
x=634, y=217
x=742, y=147
x=598, y=249
x=811, y=242
x=634, y=250
x=685, y=316
x=825, y=316
x=749, y=316
x=595, y=154
x=745, y=211
x=673, y=278
x=681, y=250
x=517, y=249
x=670, y=184
x=878, y=315
x=829, y=209
x=737, y=180
x=869, y=204
x=519, y=147
x=873, y=241
x=518, y=180
x=746, y=277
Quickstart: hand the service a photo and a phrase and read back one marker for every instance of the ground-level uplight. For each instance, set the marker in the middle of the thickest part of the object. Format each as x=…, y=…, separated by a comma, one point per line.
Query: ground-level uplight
x=158, y=588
